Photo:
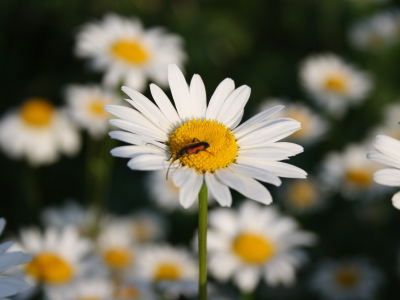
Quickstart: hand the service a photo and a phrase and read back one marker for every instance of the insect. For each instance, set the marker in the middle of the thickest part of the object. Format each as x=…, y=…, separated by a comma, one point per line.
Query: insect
x=193, y=148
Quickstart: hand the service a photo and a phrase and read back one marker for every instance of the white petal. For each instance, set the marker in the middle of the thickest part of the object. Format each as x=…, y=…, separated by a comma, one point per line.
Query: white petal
x=390, y=177
x=179, y=176
x=396, y=200
x=218, y=98
x=254, y=190
x=279, y=168
x=220, y=191
x=157, y=135
x=2, y=225
x=17, y=283
x=7, y=290
x=257, y=173
x=190, y=189
x=265, y=153
x=5, y=246
x=180, y=92
x=147, y=108
x=296, y=149
x=224, y=221
x=229, y=178
x=234, y=104
x=147, y=162
x=388, y=146
x=247, y=278
x=10, y=259
x=236, y=120
x=383, y=159
x=247, y=126
x=131, y=151
x=165, y=105
x=198, y=97
x=135, y=139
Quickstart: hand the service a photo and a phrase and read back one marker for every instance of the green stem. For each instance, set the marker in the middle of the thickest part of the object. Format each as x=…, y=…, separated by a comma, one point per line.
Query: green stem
x=203, y=203
x=247, y=296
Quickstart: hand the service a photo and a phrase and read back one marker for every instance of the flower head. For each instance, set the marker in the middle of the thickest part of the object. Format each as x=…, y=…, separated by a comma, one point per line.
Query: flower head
x=127, y=52
x=200, y=142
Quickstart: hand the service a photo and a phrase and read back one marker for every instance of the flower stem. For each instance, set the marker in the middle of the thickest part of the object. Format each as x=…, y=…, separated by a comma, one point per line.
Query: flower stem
x=203, y=203
x=248, y=296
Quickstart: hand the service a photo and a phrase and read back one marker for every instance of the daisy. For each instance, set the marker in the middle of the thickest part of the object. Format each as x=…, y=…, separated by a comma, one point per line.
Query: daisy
x=148, y=226
x=10, y=285
x=57, y=255
x=85, y=288
x=115, y=244
x=232, y=156
x=387, y=153
x=134, y=290
x=333, y=83
x=350, y=173
x=304, y=196
x=349, y=279
x=313, y=127
x=165, y=193
x=172, y=269
x=86, y=106
x=127, y=52
x=38, y=132
x=255, y=242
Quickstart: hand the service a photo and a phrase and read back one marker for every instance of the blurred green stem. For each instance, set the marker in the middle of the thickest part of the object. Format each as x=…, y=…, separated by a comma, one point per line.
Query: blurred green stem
x=247, y=296
x=203, y=203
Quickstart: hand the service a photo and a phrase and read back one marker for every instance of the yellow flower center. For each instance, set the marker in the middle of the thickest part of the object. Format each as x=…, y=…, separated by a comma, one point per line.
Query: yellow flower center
x=167, y=271
x=303, y=193
x=336, y=83
x=303, y=119
x=96, y=108
x=37, y=112
x=50, y=268
x=222, y=148
x=127, y=292
x=253, y=248
x=130, y=51
x=359, y=177
x=118, y=257
x=347, y=277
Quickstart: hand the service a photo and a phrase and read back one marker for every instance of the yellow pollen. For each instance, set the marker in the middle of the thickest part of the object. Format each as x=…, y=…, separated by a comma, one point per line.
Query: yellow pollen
x=336, y=83
x=359, y=177
x=50, y=268
x=96, y=108
x=303, y=119
x=130, y=51
x=347, y=277
x=253, y=248
x=303, y=193
x=118, y=258
x=37, y=112
x=222, y=150
x=127, y=292
x=167, y=271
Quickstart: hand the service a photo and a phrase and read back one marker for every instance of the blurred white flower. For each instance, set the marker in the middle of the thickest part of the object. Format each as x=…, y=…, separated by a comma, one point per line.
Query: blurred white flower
x=255, y=242
x=349, y=279
x=172, y=269
x=388, y=153
x=11, y=285
x=84, y=288
x=390, y=125
x=235, y=157
x=134, y=290
x=148, y=226
x=333, y=83
x=351, y=173
x=313, y=127
x=376, y=32
x=85, y=102
x=38, y=132
x=127, y=52
x=57, y=255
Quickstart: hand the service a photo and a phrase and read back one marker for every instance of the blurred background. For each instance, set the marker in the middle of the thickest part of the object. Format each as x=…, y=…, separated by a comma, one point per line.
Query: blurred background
x=262, y=44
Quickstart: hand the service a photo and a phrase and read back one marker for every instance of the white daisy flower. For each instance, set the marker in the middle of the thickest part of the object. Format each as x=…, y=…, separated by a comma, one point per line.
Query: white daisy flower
x=255, y=242
x=313, y=127
x=351, y=173
x=304, y=196
x=387, y=153
x=333, y=83
x=350, y=279
x=172, y=269
x=115, y=244
x=86, y=106
x=134, y=290
x=85, y=288
x=231, y=156
x=374, y=33
x=38, y=132
x=57, y=255
x=127, y=52
x=165, y=193
x=10, y=285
